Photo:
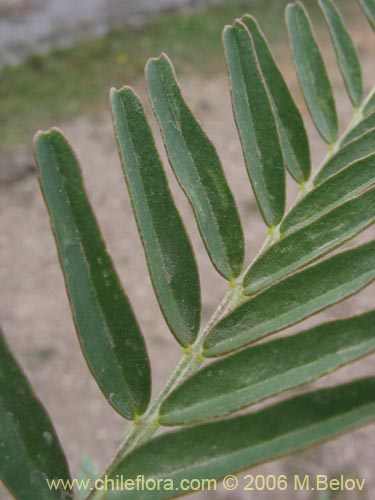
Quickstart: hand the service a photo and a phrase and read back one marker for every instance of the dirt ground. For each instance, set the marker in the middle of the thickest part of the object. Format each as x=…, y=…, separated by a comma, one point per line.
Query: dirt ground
x=34, y=308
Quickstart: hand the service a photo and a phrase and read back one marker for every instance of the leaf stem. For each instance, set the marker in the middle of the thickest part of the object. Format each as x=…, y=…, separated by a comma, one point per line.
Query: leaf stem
x=148, y=424
x=358, y=115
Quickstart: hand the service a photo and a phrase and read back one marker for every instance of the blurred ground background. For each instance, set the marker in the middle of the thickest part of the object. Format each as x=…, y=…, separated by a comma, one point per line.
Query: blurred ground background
x=58, y=61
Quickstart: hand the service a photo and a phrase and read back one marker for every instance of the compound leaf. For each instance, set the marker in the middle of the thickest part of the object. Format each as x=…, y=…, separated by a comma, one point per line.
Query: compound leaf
x=170, y=258
x=294, y=140
x=311, y=242
x=198, y=169
x=293, y=299
x=256, y=123
x=107, y=329
x=312, y=72
x=259, y=372
x=345, y=51
x=219, y=448
x=30, y=451
x=337, y=189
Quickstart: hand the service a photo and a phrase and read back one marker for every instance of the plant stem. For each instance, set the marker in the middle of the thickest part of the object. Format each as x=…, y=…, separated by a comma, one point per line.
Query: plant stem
x=358, y=115
x=148, y=424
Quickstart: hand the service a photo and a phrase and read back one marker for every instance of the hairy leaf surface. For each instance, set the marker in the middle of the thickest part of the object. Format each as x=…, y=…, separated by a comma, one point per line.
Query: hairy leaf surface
x=259, y=372
x=345, y=50
x=170, y=258
x=365, y=125
x=30, y=451
x=359, y=147
x=294, y=140
x=256, y=123
x=294, y=299
x=311, y=242
x=312, y=72
x=107, y=329
x=339, y=188
x=198, y=169
x=219, y=448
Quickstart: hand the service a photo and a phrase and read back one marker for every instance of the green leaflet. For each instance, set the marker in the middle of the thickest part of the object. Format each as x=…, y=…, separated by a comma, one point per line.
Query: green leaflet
x=256, y=123
x=260, y=372
x=360, y=147
x=170, y=258
x=339, y=188
x=294, y=140
x=107, y=329
x=361, y=128
x=312, y=72
x=368, y=7
x=311, y=242
x=293, y=299
x=198, y=169
x=215, y=449
x=30, y=450
x=345, y=51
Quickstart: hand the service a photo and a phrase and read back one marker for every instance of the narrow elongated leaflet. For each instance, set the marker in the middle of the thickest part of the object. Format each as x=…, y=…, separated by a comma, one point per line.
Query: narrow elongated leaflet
x=170, y=258
x=345, y=51
x=256, y=123
x=311, y=242
x=198, y=169
x=30, y=451
x=107, y=329
x=262, y=371
x=368, y=7
x=312, y=72
x=362, y=127
x=294, y=299
x=339, y=188
x=224, y=447
x=294, y=140
x=359, y=147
